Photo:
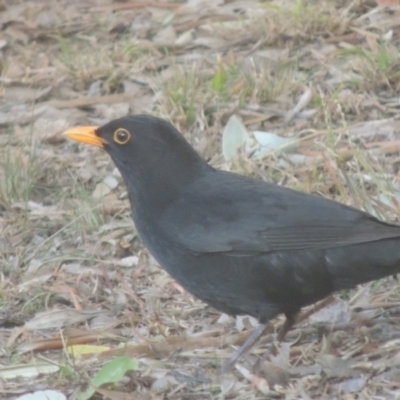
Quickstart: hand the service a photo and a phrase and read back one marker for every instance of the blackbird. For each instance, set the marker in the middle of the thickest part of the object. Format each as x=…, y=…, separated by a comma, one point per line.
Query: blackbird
x=241, y=245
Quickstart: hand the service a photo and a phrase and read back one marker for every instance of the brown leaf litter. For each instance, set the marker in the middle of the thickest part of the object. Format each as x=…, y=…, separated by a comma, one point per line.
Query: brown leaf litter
x=73, y=270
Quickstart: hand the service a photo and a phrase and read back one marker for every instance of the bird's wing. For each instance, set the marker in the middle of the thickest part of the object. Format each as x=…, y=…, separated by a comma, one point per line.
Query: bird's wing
x=224, y=212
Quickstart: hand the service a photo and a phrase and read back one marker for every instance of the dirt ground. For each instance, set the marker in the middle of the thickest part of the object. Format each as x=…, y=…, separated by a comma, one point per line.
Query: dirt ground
x=84, y=309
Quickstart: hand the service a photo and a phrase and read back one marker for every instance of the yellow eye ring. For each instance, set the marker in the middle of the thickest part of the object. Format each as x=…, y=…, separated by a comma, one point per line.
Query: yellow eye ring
x=121, y=136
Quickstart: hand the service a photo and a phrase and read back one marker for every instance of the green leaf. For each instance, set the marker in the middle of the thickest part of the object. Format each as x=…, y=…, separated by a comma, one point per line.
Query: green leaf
x=112, y=372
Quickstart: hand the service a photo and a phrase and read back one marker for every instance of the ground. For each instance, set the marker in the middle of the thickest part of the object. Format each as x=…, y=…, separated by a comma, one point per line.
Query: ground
x=73, y=272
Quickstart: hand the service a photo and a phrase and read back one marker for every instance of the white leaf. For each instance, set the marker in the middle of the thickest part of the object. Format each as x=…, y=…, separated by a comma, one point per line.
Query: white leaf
x=267, y=142
x=43, y=395
x=111, y=182
x=233, y=137
x=128, y=262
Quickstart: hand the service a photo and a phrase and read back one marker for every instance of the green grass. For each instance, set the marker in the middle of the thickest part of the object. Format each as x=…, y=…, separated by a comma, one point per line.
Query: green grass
x=185, y=93
x=85, y=66
x=20, y=170
x=378, y=68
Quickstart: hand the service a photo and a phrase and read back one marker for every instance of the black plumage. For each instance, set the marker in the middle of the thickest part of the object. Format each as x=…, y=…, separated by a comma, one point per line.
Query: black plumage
x=241, y=245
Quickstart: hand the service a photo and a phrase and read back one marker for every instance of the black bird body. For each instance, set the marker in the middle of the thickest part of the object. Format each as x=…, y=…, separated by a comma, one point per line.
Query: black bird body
x=255, y=248
x=241, y=245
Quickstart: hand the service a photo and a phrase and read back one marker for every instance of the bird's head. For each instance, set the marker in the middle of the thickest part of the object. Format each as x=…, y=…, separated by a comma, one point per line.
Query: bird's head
x=148, y=152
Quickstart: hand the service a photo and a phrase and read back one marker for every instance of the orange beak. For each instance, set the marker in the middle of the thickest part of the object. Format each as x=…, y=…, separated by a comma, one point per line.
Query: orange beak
x=85, y=134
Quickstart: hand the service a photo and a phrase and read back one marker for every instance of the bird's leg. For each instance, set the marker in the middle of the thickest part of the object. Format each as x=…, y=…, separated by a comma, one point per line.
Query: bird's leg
x=245, y=347
x=287, y=325
x=291, y=319
x=254, y=337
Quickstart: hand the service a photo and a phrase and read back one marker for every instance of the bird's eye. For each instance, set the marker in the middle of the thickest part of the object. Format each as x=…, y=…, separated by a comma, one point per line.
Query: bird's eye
x=121, y=136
